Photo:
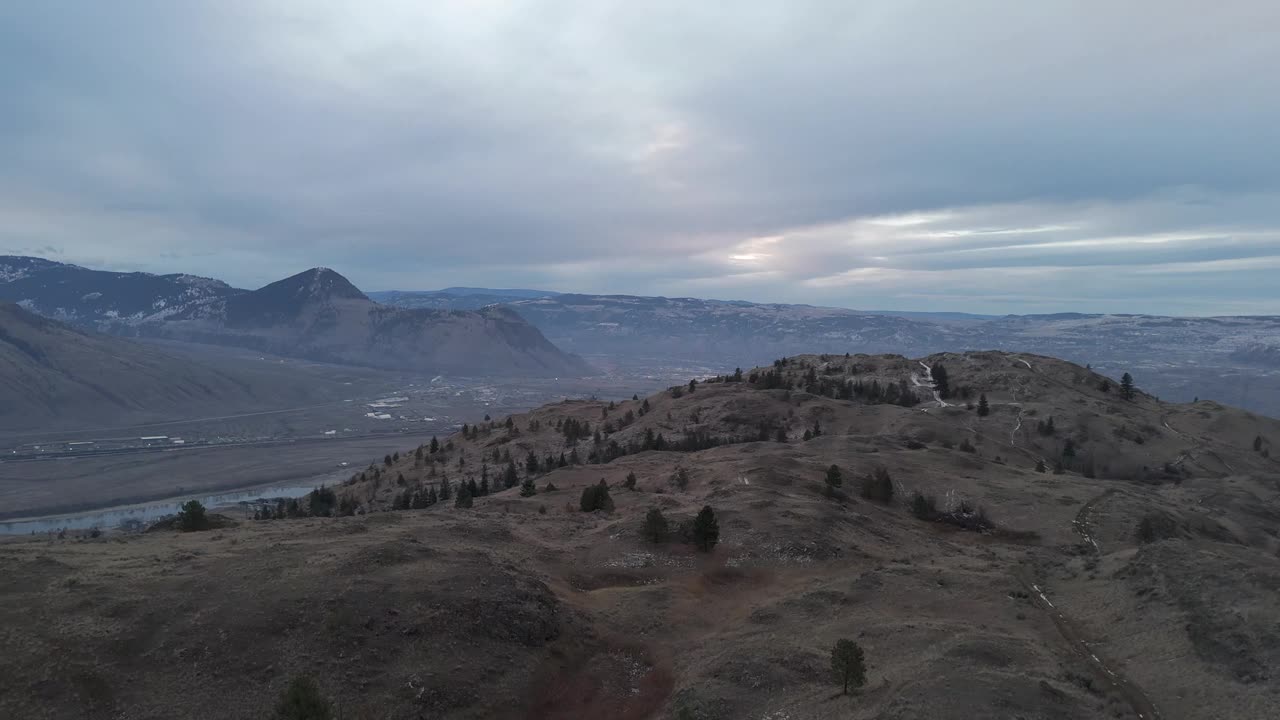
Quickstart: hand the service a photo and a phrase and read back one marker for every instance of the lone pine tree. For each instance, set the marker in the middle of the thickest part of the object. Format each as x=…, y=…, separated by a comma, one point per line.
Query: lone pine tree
x=706, y=530
x=848, y=664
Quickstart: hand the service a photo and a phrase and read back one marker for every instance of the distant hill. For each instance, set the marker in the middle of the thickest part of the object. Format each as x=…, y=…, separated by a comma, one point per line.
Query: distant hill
x=1230, y=359
x=455, y=298
x=53, y=375
x=317, y=314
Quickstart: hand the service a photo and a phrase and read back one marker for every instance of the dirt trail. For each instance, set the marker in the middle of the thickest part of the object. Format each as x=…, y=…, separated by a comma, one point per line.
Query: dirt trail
x=928, y=383
x=1137, y=699
x=1081, y=522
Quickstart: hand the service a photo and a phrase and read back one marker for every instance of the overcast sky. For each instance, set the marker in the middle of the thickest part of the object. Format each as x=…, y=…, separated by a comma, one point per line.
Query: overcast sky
x=979, y=156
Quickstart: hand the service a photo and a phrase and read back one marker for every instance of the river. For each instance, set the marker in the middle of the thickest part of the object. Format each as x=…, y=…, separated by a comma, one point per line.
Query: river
x=144, y=513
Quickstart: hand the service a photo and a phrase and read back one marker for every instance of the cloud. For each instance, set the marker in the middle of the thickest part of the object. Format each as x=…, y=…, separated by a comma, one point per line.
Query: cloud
x=801, y=151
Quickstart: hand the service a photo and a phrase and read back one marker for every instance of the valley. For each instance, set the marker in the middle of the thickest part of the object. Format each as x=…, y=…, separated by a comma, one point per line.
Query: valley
x=44, y=472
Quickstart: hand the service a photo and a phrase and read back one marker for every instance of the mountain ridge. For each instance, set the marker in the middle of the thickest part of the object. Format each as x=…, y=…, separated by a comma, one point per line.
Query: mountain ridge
x=316, y=314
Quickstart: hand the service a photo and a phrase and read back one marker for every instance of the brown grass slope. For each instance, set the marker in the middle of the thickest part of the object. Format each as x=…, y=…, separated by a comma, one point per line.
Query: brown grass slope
x=524, y=607
x=52, y=376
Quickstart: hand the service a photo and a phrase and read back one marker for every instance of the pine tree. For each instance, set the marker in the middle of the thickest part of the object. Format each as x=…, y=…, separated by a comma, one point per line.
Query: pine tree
x=527, y=488
x=1126, y=386
x=655, y=528
x=878, y=486
x=782, y=435
x=940, y=381
x=1257, y=444
x=484, y=487
x=983, y=408
x=510, y=477
x=435, y=445
x=191, y=516
x=848, y=664
x=693, y=385
x=464, y=497
x=833, y=478
x=706, y=530
x=472, y=489
x=1040, y=466
x=630, y=482
x=445, y=489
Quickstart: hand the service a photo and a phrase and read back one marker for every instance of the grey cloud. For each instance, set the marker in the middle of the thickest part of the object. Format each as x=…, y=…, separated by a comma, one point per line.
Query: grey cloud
x=635, y=147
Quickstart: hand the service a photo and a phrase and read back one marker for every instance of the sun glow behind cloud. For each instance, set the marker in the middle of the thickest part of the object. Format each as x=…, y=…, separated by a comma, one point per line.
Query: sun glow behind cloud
x=819, y=152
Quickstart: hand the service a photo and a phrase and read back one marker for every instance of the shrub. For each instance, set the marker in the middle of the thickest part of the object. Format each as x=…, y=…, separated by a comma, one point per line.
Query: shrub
x=680, y=478
x=1040, y=467
x=833, y=478
x=192, y=517
x=878, y=486
x=924, y=507
x=655, y=529
x=630, y=482
x=302, y=700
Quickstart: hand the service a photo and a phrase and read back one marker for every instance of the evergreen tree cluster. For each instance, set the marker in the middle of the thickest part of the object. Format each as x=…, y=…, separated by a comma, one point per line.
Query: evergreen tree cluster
x=596, y=497
x=1046, y=427
x=839, y=388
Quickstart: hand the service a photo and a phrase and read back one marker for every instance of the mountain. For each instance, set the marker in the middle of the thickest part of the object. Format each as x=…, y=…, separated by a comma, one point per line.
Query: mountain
x=104, y=300
x=976, y=584
x=317, y=314
x=53, y=375
x=1230, y=359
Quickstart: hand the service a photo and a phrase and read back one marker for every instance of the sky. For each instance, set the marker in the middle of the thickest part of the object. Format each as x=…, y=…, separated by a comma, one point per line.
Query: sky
x=991, y=157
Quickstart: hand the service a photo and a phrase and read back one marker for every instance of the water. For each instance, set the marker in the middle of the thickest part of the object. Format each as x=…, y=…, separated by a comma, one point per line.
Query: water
x=144, y=513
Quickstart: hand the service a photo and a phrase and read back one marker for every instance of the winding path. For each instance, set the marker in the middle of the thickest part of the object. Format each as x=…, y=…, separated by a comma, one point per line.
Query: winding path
x=933, y=388
x=1137, y=699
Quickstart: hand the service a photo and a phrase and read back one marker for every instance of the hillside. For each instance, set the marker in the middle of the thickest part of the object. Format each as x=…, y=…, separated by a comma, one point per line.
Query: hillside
x=55, y=376
x=1135, y=580
x=316, y=314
